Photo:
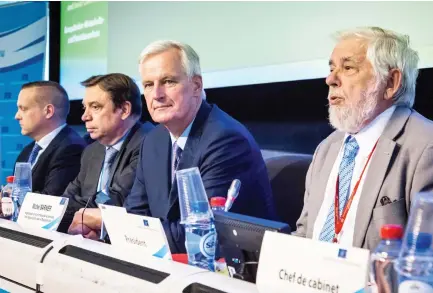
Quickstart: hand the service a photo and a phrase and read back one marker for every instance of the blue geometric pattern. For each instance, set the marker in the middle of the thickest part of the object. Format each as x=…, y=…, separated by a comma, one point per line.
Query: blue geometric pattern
x=23, y=30
x=345, y=173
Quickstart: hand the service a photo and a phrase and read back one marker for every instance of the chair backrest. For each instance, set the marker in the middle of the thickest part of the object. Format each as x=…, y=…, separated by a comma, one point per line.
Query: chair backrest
x=287, y=177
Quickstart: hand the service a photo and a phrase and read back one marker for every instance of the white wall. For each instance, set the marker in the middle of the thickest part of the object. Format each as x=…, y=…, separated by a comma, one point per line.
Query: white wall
x=256, y=42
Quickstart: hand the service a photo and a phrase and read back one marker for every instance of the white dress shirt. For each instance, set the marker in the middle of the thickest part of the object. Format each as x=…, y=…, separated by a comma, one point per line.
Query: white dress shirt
x=366, y=139
x=45, y=141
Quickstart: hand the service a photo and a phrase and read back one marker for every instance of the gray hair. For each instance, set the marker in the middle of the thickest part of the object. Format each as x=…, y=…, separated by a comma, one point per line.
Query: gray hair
x=189, y=58
x=388, y=50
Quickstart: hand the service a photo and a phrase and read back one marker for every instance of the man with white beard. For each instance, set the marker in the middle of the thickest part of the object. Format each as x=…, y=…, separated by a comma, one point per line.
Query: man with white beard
x=367, y=172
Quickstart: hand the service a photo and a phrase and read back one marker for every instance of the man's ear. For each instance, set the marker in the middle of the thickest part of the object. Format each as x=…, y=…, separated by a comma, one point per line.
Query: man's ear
x=49, y=111
x=393, y=83
x=126, y=110
x=198, y=85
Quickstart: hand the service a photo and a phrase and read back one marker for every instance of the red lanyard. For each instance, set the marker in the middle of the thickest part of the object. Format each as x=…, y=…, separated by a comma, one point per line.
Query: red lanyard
x=339, y=222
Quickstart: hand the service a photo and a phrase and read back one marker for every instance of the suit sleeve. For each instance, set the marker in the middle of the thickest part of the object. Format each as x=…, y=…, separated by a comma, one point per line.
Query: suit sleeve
x=423, y=176
x=137, y=201
x=301, y=224
x=63, y=170
x=73, y=193
x=226, y=158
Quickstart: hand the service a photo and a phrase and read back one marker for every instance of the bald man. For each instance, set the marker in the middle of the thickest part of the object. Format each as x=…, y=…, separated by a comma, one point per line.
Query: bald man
x=56, y=150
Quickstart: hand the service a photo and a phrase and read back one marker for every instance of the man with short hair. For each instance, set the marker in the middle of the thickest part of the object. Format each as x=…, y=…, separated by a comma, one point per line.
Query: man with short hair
x=192, y=133
x=55, y=153
x=367, y=172
x=112, y=110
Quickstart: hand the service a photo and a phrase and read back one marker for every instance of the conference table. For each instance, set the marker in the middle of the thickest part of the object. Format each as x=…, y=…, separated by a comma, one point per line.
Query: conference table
x=38, y=260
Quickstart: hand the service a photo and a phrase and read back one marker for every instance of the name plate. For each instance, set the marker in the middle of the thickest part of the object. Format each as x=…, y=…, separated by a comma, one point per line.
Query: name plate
x=42, y=211
x=129, y=231
x=294, y=264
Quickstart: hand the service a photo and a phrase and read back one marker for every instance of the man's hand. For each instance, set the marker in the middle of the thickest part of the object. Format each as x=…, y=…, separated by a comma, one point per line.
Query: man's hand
x=87, y=224
x=92, y=218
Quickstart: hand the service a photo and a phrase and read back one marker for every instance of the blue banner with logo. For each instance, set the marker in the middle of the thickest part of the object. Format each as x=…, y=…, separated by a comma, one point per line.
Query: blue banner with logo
x=23, y=39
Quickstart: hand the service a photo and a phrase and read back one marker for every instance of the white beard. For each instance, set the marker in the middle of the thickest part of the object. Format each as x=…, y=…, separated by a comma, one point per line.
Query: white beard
x=350, y=118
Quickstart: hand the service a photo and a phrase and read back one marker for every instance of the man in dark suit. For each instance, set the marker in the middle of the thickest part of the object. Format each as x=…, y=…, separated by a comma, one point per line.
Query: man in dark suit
x=192, y=133
x=56, y=150
x=112, y=109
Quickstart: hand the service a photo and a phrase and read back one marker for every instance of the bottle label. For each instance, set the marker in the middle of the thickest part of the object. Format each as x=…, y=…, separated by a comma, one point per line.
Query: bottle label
x=411, y=286
x=7, y=206
x=207, y=244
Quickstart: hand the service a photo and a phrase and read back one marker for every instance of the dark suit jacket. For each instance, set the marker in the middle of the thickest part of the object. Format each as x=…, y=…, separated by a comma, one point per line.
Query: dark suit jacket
x=58, y=165
x=83, y=188
x=223, y=150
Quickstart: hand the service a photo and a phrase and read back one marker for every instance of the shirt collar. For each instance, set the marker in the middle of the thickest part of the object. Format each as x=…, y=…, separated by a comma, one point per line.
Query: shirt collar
x=181, y=140
x=47, y=139
x=118, y=145
x=369, y=135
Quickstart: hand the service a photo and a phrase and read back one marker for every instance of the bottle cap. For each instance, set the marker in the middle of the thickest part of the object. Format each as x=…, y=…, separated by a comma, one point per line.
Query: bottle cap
x=10, y=179
x=391, y=231
x=217, y=201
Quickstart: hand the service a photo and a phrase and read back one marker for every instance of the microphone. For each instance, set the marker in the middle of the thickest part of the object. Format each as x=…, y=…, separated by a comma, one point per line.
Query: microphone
x=232, y=194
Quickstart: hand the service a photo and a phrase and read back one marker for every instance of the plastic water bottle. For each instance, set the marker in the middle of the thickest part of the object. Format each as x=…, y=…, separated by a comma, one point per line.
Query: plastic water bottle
x=218, y=203
x=382, y=274
x=7, y=206
x=23, y=184
x=201, y=238
x=415, y=262
x=197, y=218
x=18, y=194
x=416, y=269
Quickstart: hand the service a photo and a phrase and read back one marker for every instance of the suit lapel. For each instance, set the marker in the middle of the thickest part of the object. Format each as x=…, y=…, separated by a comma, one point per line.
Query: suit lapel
x=380, y=162
x=51, y=147
x=122, y=152
x=320, y=189
x=161, y=165
x=191, y=147
x=92, y=174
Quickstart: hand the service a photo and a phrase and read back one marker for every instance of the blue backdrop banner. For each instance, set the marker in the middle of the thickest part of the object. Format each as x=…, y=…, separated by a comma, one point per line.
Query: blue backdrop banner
x=23, y=37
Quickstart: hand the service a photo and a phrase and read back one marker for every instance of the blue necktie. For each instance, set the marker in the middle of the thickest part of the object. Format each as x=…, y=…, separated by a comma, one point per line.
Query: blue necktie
x=177, y=153
x=345, y=177
x=110, y=155
x=34, y=154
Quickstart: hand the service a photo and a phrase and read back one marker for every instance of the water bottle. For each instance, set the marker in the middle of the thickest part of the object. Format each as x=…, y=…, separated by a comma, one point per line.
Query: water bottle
x=18, y=194
x=415, y=262
x=382, y=274
x=200, y=242
x=197, y=218
x=23, y=184
x=218, y=203
x=7, y=206
x=416, y=270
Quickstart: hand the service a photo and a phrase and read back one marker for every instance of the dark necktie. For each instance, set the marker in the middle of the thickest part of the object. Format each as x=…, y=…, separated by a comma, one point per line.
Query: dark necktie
x=34, y=154
x=176, y=155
